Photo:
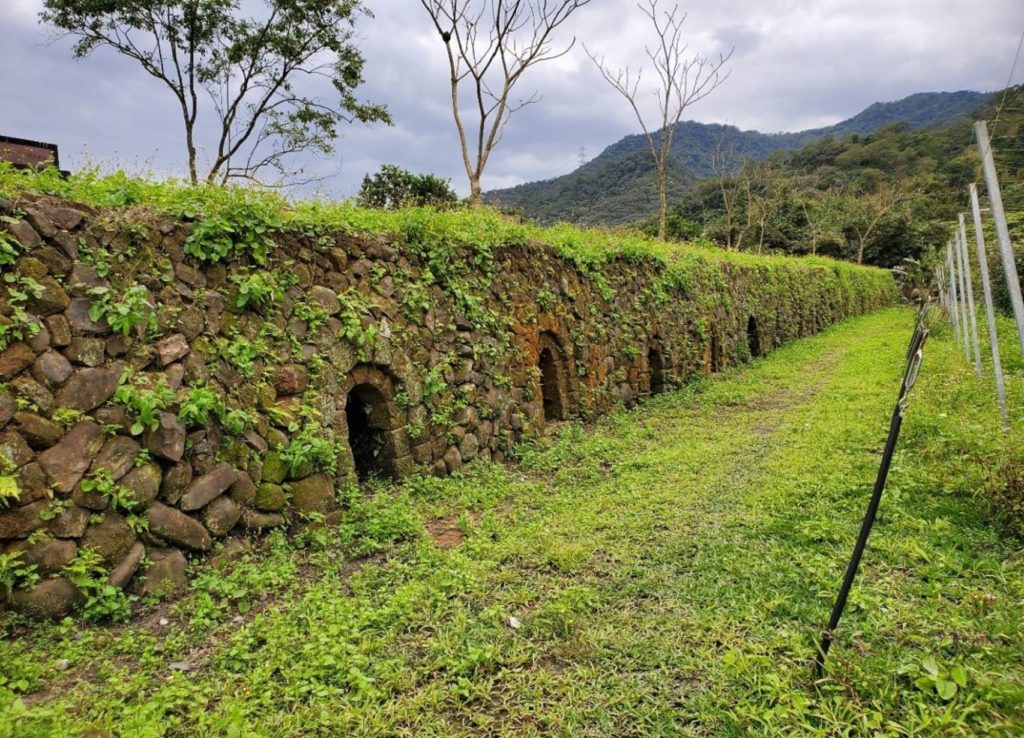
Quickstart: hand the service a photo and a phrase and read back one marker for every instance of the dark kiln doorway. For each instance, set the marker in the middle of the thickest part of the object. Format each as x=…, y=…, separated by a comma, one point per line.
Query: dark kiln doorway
x=367, y=416
x=716, y=351
x=552, y=383
x=656, y=369
x=754, y=337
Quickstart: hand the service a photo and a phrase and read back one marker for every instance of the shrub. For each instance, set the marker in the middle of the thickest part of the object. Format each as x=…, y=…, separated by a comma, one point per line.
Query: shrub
x=393, y=187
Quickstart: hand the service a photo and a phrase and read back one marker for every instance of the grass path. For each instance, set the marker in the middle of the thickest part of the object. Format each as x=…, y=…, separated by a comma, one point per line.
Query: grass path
x=667, y=572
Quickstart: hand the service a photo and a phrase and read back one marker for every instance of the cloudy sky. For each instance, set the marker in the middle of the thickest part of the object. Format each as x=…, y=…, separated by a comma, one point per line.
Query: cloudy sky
x=797, y=64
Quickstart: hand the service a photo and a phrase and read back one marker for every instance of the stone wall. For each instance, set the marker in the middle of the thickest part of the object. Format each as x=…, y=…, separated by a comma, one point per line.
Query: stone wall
x=152, y=403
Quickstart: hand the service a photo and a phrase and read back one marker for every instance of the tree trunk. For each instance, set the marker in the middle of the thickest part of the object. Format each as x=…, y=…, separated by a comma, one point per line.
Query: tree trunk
x=662, y=200
x=190, y=143
x=475, y=195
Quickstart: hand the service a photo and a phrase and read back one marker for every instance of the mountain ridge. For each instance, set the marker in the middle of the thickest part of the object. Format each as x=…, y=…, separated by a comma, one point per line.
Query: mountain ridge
x=617, y=185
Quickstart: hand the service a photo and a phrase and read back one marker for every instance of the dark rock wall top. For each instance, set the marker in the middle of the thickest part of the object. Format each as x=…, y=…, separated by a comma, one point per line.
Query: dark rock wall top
x=152, y=403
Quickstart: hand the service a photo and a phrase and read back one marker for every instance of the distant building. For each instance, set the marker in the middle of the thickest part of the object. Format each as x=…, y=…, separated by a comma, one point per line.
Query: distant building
x=24, y=153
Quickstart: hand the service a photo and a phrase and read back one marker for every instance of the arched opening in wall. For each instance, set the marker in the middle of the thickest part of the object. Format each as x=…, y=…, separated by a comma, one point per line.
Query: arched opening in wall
x=754, y=338
x=552, y=383
x=717, y=360
x=366, y=412
x=656, y=370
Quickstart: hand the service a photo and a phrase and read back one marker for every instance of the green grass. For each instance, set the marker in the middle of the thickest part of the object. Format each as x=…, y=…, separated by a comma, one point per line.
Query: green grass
x=669, y=568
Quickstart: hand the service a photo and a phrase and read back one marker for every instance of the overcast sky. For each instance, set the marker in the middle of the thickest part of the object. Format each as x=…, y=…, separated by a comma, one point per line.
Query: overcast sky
x=797, y=64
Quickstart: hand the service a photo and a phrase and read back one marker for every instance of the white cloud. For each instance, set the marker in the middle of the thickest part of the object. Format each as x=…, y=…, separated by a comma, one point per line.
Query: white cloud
x=797, y=64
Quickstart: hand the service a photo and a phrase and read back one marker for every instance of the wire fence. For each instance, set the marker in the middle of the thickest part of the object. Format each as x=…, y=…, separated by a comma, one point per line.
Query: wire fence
x=955, y=280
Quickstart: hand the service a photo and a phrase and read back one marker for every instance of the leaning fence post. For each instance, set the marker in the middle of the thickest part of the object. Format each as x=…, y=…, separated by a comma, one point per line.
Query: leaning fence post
x=997, y=365
x=965, y=327
x=953, y=314
x=995, y=197
x=915, y=353
x=961, y=239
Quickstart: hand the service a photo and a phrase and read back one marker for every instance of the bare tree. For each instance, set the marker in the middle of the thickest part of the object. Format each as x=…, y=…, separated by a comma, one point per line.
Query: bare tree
x=490, y=45
x=722, y=160
x=682, y=79
x=869, y=210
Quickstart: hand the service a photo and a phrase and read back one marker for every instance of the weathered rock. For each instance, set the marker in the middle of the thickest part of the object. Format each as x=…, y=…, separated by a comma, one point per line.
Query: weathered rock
x=291, y=379
x=39, y=342
x=112, y=537
x=221, y=515
x=93, y=499
x=71, y=523
x=243, y=491
x=84, y=278
x=51, y=598
x=24, y=234
x=78, y=316
x=313, y=494
x=116, y=417
x=208, y=487
x=175, y=481
x=232, y=550
x=325, y=298
x=257, y=521
x=48, y=555
x=38, y=432
x=177, y=527
x=29, y=389
x=91, y=352
x=15, y=359
x=126, y=568
x=6, y=408
x=18, y=522
x=275, y=469
x=142, y=484
x=117, y=456
x=117, y=346
x=172, y=348
x=270, y=498
x=168, y=439
x=88, y=388
x=14, y=450
x=51, y=369
x=32, y=484
x=59, y=329
x=66, y=462
x=469, y=446
x=453, y=459
x=167, y=574
x=67, y=219
x=51, y=298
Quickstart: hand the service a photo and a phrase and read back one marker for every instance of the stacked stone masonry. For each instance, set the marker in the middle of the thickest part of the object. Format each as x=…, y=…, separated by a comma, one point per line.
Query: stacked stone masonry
x=396, y=368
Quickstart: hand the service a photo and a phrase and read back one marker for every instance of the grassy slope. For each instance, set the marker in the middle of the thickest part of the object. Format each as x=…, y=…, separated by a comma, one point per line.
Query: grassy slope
x=669, y=567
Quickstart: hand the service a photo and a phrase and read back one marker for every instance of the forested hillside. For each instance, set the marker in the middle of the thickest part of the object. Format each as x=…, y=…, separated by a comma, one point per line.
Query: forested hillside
x=880, y=198
x=617, y=186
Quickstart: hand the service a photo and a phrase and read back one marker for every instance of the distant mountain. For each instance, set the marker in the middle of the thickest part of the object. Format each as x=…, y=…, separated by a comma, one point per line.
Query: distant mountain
x=618, y=186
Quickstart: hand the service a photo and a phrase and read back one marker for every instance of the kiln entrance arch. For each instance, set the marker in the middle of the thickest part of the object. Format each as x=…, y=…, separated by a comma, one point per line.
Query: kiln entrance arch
x=754, y=338
x=656, y=370
x=553, y=378
x=372, y=420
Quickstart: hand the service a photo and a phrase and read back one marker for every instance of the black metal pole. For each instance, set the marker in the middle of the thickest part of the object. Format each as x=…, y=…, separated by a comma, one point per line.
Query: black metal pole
x=914, y=355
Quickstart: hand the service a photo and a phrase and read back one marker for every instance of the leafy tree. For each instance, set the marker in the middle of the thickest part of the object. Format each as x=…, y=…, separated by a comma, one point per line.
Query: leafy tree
x=393, y=187
x=242, y=70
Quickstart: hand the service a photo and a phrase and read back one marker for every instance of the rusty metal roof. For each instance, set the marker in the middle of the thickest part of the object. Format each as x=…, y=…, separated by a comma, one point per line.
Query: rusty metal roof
x=25, y=153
